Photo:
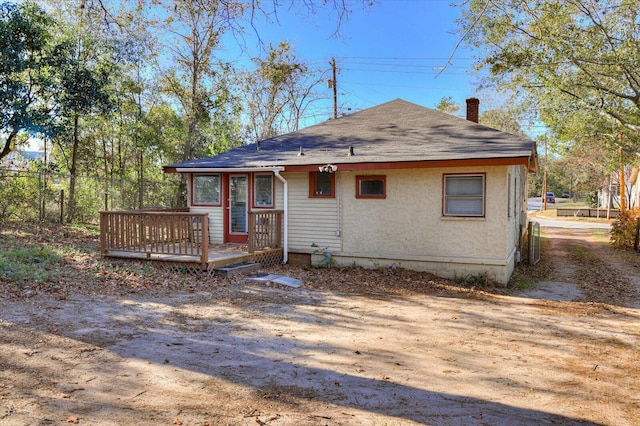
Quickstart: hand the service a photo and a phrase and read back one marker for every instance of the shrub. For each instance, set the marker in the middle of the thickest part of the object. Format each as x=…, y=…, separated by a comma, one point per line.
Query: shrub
x=623, y=229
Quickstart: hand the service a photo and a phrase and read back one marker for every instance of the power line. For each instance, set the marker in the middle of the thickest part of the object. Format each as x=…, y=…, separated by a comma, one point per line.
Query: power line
x=380, y=64
x=399, y=58
x=401, y=72
x=404, y=86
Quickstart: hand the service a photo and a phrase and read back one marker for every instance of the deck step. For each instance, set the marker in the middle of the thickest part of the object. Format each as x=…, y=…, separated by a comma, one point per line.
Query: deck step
x=237, y=269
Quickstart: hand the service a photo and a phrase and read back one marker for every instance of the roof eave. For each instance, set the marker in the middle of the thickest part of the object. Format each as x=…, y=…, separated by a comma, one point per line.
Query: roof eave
x=223, y=169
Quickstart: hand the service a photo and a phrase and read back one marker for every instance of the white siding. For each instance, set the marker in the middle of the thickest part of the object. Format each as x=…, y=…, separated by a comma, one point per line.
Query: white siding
x=216, y=222
x=311, y=220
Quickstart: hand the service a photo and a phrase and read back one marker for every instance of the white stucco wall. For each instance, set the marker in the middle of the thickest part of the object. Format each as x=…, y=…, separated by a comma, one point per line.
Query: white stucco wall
x=408, y=228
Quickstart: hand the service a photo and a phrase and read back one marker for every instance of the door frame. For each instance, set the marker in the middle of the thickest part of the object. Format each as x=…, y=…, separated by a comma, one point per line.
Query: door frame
x=229, y=237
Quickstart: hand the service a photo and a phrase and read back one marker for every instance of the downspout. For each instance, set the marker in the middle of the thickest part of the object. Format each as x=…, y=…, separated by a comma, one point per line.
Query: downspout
x=285, y=237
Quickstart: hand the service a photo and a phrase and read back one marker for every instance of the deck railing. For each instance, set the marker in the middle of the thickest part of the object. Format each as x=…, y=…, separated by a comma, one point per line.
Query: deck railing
x=155, y=232
x=179, y=232
x=265, y=230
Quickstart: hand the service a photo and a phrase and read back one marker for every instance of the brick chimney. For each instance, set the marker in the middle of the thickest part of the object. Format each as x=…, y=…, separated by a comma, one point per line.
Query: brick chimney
x=473, y=105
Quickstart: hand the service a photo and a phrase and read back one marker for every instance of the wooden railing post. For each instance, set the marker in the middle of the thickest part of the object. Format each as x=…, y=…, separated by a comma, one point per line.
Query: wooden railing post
x=251, y=242
x=103, y=232
x=204, y=241
x=278, y=242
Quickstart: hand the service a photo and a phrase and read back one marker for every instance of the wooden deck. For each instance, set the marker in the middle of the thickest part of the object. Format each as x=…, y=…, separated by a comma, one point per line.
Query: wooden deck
x=178, y=240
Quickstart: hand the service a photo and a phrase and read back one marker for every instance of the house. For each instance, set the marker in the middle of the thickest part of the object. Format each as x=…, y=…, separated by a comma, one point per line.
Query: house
x=20, y=160
x=396, y=184
x=608, y=196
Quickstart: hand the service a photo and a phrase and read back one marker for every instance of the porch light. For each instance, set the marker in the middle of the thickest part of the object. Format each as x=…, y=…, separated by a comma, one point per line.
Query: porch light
x=328, y=168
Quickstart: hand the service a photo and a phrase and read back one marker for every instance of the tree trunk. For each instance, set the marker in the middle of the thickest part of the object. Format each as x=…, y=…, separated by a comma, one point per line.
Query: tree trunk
x=71, y=205
x=6, y=149
x=140, y=180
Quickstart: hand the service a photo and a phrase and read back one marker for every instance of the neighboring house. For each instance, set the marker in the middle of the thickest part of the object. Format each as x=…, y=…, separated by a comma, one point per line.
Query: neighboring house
x=634, y=181
x=397, y=184
x=19, y=160
x=609, y=194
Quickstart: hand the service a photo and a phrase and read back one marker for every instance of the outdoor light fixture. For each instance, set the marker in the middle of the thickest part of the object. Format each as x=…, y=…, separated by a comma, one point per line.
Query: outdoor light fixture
x=328, y=168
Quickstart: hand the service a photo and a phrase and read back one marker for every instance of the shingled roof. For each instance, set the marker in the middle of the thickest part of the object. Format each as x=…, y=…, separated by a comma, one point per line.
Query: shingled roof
x=394, y=132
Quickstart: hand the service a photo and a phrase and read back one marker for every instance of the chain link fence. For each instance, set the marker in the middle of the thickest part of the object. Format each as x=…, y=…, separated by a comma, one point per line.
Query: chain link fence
x=37, y=195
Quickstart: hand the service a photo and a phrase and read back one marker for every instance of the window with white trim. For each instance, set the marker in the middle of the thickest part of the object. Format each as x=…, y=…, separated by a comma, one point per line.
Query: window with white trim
x=206, y=190
x=464, y=195
x=263, y=190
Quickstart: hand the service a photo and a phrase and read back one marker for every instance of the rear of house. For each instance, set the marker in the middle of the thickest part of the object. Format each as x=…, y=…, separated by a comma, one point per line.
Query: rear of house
x=397, y=184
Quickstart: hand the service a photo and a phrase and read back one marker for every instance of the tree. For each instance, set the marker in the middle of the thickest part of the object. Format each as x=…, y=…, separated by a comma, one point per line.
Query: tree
x=24, y=72
x=85, y=61
x=280, y=90
x=570, y=56
x=505, y=120
x=194, y=79
x=341, y=9
x=447, y=105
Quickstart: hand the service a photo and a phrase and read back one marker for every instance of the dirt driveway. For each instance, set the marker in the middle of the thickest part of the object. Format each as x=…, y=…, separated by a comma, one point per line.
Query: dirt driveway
x=350, y=348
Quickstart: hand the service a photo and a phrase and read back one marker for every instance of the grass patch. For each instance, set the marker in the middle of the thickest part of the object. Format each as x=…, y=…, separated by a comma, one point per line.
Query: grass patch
x=601, y=235
x=522, y=281
x=36, y=253
x=480, y=280
x=30, y=264
x=581, y=253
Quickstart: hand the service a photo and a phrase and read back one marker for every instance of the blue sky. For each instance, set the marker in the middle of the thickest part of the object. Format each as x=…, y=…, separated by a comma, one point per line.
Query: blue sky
x=395, y=49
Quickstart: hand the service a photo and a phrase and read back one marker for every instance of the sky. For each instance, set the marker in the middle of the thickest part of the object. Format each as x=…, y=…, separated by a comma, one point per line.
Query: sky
x=394, y=49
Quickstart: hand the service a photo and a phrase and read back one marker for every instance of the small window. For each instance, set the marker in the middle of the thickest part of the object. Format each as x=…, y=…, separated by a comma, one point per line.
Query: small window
x=322, y=185
x=464, y=195
x=263, y=190
x=371, y=187
x=206, y=190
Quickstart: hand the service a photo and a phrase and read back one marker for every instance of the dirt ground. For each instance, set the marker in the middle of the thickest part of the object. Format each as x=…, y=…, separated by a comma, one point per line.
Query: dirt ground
x=350, y=347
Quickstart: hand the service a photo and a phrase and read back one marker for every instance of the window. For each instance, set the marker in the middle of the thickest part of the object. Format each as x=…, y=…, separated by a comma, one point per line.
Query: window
x=322, y=185
x=371, y=187
x=205, y=190
x=464, y=195
x=263, y=190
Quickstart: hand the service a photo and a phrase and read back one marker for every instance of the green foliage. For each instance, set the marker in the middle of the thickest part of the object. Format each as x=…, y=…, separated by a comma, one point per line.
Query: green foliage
x=481, y=279
x=18, y=200
x=24, y=72
x=447, y=105
x=623, y=229
x=592, y=199
x=521, y=281
x=88, y=78
x=29, y=264
x=279, y=90
x=576, y=61
x=501, y=119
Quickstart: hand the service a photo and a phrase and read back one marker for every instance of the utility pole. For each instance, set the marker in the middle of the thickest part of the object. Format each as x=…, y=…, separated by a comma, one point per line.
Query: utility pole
x=544, y=178
x=623, y=196
x=335, y=88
